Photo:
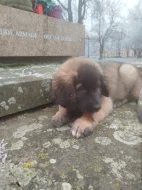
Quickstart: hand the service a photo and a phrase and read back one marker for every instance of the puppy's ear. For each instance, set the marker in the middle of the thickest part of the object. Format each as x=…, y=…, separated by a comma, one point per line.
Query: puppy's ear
x=63, y=90
x=104, y=87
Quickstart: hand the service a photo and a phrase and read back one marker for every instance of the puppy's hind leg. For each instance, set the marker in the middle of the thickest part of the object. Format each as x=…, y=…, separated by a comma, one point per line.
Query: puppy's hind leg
x=136, y=94
x=60, y=118
x=117, y=104
x=139, y=106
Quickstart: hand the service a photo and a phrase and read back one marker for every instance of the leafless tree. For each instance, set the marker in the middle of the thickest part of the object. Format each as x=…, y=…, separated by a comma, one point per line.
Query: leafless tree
x=68, y=6
x=117, y=37
x=106, y=16
x=82, y=4
x=135, y=29
x=68, y=9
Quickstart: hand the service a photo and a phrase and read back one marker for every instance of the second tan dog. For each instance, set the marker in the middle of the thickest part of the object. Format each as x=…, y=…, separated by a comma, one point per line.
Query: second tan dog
x=81, y=85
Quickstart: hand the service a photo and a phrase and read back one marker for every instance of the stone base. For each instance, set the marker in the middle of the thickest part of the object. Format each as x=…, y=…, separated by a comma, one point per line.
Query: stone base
x=28, y=34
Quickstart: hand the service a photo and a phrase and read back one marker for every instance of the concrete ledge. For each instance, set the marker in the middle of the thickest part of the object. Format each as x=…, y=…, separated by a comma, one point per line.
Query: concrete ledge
x=24, y=94
x=23, y=88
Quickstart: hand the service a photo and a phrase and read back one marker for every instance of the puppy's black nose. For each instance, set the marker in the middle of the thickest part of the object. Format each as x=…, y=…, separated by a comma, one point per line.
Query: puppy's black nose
x=97, y=108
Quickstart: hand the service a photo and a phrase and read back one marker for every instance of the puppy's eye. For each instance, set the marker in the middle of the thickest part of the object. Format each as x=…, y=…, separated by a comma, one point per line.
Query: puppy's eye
x=80, y=88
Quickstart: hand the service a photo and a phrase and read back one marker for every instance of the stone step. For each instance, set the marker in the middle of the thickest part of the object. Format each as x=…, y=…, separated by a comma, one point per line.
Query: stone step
x=25, y=87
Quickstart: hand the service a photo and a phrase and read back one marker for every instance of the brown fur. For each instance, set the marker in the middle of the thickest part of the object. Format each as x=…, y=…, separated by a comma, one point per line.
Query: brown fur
x=81, y=85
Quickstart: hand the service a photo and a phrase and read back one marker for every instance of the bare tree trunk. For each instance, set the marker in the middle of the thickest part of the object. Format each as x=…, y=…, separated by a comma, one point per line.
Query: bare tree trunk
x=81, y=10
x=88, y=47
x=127, y=53
x=135, y=52
x=70, y=16
x=138, y=54
x=119, y=53
x=119, y=47
x=68, y=9
x=101, y=51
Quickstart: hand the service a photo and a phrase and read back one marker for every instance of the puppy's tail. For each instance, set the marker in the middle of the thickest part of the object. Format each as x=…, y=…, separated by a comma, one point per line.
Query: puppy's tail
x=139, y=106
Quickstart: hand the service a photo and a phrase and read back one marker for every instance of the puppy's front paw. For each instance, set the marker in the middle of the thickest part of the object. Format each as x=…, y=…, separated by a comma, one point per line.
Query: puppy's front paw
x=82, y=127
x=58, y=120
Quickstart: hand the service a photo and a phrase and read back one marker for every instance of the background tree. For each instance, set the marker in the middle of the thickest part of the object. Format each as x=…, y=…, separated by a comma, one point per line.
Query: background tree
x=135, y=29
x=73, y=8
x=106, y=17
x=68, y=8
x=117, y=39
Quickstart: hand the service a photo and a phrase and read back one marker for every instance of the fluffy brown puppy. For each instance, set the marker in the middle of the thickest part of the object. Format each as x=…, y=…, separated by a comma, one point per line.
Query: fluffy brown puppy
x=81, y=85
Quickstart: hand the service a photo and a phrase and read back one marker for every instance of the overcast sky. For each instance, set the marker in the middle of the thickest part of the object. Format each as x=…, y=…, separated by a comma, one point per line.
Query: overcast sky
x=128, y=4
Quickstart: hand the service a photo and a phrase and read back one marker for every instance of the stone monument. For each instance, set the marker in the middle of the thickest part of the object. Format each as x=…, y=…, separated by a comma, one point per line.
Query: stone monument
x=27, y=34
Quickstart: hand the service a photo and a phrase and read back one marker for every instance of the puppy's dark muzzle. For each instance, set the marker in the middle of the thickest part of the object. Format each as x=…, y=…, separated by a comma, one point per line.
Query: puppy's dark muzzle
x=94, y=109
